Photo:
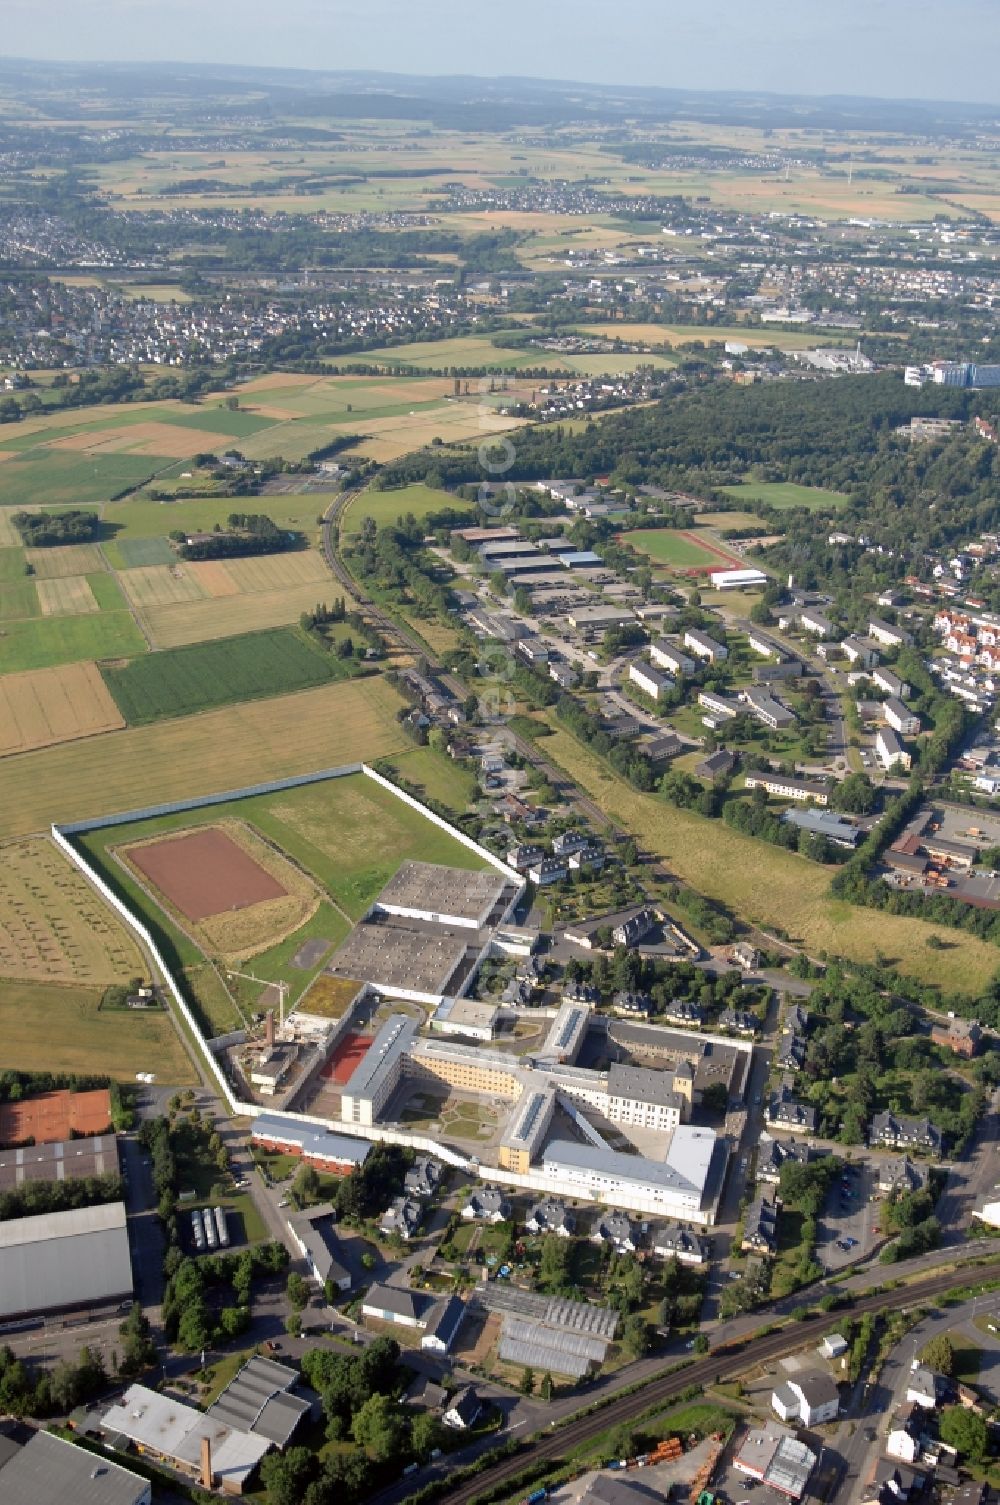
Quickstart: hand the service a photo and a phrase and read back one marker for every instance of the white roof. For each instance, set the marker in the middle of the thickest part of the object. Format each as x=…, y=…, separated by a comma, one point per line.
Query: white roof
x=175, y=1430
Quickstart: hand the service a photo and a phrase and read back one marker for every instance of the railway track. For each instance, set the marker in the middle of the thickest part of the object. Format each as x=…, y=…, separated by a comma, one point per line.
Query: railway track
x=723, y=1363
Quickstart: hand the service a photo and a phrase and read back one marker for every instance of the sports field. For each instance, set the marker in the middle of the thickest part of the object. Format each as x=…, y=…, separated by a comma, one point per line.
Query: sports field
x=182, y=681
x=51, y=1117
x=47, y=706
x=224, y=749
x=782, y=494
x=232, y=892
x=348, y=1054
x=771, y=887
x=680, y=549
x=48, y=1027
x=53, y=927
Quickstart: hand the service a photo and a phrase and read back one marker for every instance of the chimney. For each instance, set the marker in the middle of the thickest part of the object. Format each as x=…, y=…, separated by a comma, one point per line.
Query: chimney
x=207, y=1477
x=269, y=1027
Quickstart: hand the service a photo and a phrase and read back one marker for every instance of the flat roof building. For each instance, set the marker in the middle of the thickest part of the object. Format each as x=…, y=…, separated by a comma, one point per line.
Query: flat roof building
x=451, y=895
x=61, y=1261
x=727, y=580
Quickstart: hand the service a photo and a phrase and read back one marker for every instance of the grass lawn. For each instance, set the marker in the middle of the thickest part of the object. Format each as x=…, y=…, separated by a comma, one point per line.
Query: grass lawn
x=437, y=777
x=386, y=506
x=18, y=601
x=670, y=546
x=46, y=1027
x=180, y=681
x=783, y=494
x=12, y=565
x=226, y=749
x=768, y=886
x=45, y=641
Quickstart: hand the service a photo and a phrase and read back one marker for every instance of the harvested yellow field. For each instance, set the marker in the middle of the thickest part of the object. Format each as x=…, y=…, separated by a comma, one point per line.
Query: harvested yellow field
x=64, y=560
x=198, y=621
x=160, y=585
x=768, y=886
x=245, y=744
x=53, y=925
x=393, y=437
x=213, y=576
x=270, y=572
x=45, y=706
x=9, y=536
x=150, y=438
x=67, y=596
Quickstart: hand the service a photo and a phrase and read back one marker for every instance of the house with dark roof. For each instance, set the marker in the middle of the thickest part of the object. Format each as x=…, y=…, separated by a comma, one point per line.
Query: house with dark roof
x=402, y=1217
x=486, y=1205
x=773, y=1153
x=784, y=1111
x=901, y=1133
x=899, y=1175
x=718, y=765
x=442, y=1323
x=618, y=1230
x=675, y=1241
x=398, y=1305
x=550, y=1216
x=760, y=1226
x=464, y=1411
x=314, y=1233
x=961, y=1036
x=423, y=1178
x=739, y=1021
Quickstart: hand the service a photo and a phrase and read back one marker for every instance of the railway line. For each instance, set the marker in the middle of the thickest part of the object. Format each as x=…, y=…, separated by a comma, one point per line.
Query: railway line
x=723, y=1363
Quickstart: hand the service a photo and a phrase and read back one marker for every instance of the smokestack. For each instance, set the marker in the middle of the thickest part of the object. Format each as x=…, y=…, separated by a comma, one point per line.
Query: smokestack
x=207, y=1477
x=269, y=1027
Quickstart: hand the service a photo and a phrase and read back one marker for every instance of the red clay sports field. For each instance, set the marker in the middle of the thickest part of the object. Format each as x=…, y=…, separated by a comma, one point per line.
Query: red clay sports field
x=346, y=1056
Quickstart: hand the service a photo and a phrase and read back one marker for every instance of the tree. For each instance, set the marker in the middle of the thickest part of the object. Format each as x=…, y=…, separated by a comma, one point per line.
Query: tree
x=194, y=1328
x=527, y=1385
x=545, y=1388
x=939, y=1355
x=966, y=1432
x=380, y=1429
x=425, y=1434
x=286, y=1475
x=701, y=1344
x=636, y=1337
x=306, y=1184
x=297, y=1291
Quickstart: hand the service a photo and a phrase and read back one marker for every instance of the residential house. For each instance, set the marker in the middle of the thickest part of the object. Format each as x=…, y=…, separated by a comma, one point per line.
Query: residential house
x=860, y=652
x=635, y=929
x=464, y=1410
x=784, y=1111
x=718, y=765
x=890, y=682
x=811, y=1399
x=703, y=646
x=786, y=787
x=900, y=1175
x=815, y=622
x=885, y=632
x=635, y=1005
x=550, y=1216
x=487, y=1205
x=739, y=1022
x=618, y=1230
x=760, y=1226
x=675, y=1241
x=423, y=1178
x=314, y=1234
x=548, y=870
x=667, y=655
x=890, y=751
x=900, y=1133
x=680, y=1011
x=905, y=1429
x=923, y=1387
x=652, y=682
x=961, y=1036
x=900, y=717
x=402, y=1217
x=773, y=1153
x=395, y=1304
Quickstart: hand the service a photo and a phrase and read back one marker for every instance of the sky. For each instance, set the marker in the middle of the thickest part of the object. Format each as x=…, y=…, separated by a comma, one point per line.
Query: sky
x=918, y=49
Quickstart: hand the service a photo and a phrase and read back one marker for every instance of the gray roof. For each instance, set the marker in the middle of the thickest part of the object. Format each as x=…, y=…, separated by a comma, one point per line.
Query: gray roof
x=310, y=1139
x=316, y=1230
x=50, y=1469
x=66, y=1160
x=257, y=1400
x=817, y=1388
x=64, y=1259
x=445, y=1319
x=398, y=1300
x=686, y=1168
x=642, y=1084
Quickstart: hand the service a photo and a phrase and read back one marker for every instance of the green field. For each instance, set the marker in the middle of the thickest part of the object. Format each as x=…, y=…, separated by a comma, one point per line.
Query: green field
x=783, y=494
x=47, y=476
x=669, y=546
x=12, y=565
x=181, y=681
x=139, y=520
x=386, y=506
x=134, y=553
x=437, y=777
x=47, y=1027
x=45, y=641
x=18, y=599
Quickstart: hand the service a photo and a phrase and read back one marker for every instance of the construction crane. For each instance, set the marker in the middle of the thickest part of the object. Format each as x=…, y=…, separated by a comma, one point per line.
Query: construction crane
x=282, y=988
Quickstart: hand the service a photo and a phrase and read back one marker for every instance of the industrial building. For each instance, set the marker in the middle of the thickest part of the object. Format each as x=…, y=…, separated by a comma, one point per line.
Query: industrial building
x=48, y=1469
x=314, y=1233
x=64, y=1261
x=336, y=1154
x=193, y=1442
x=259, y=1399
x=776, y=1458
x=729, y=580
x=65, y=1160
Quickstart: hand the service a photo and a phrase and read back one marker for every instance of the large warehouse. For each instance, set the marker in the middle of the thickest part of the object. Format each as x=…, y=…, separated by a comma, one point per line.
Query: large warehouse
x=62, y=1261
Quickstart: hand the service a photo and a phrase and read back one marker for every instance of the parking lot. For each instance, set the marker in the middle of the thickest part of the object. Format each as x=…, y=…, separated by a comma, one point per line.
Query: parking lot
x=850, y=1216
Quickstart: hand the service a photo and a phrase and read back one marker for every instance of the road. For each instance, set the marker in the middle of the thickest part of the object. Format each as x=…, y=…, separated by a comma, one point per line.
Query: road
x=973, y=1179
